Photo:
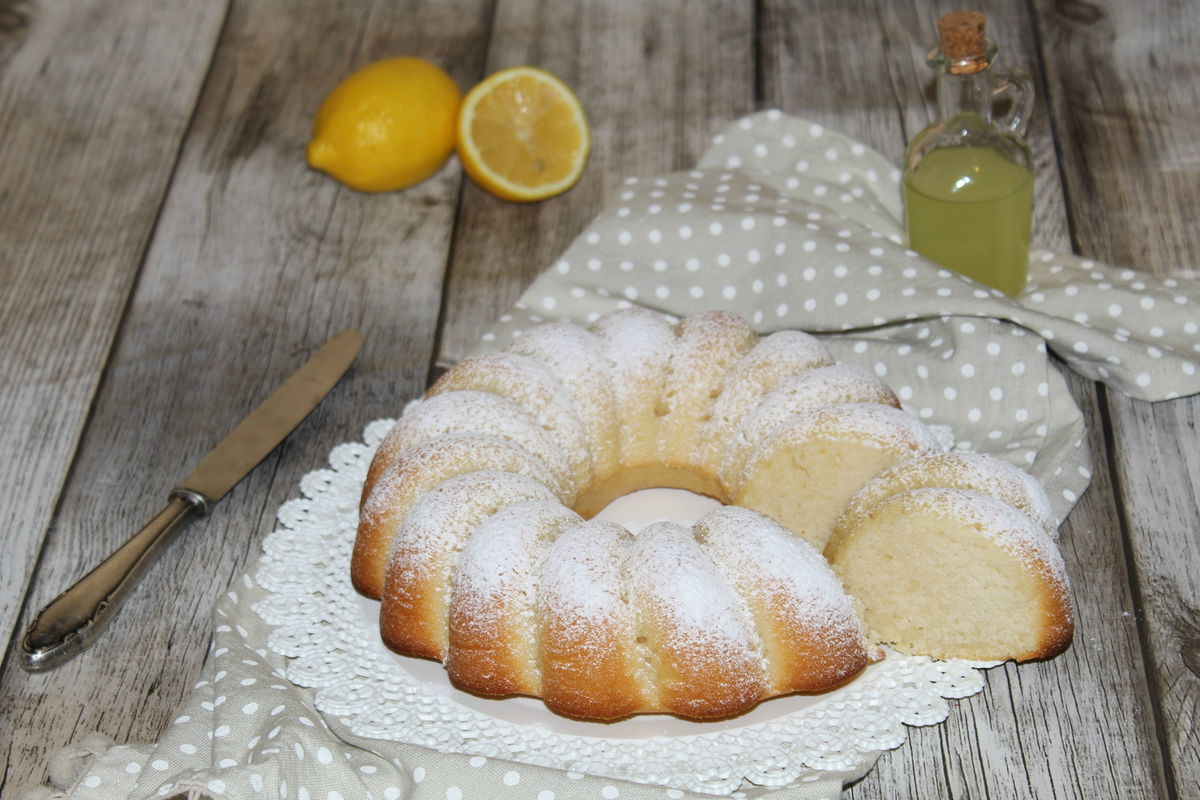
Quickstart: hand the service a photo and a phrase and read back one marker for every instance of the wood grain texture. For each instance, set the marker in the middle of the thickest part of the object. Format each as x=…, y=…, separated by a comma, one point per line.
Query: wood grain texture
x=77, y=206
x=255, y=261
x=657, y=81
x=1126, y=106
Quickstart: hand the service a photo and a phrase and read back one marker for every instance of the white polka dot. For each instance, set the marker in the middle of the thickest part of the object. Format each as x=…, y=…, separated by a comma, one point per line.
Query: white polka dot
x=626, y=266
x=974, y=415
x=723, y=260
x=692, y=264
x=662, y=292
x=1147, y=303
x=1143, y=380
x=748, y=223
x=324, y=756
x=696, y=291
x=968, y=370
x=729, y=292
x=1018, y=368
x=781, y=310
x=685, y=232
x=187, y=749
x=753, y=256
x=91, y=781
x=221, y=731
x=950, y=392
x=512, y=778
x=418, y=774
x=545, y=794
x=655, y=236
x=610, y=792
x=216, y=785
x=133, y=768
x=453, y=793
x=715, y=228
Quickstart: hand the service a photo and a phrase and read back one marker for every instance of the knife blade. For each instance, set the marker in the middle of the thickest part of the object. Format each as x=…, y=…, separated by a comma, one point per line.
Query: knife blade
x=73, y=621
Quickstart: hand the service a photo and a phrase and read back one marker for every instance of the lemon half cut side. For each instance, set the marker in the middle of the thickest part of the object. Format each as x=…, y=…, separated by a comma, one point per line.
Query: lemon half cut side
x=523, y=135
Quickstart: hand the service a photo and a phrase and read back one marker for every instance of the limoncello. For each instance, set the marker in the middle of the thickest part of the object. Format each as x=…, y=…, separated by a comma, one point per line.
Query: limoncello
x=969, y=209
x=968, y=177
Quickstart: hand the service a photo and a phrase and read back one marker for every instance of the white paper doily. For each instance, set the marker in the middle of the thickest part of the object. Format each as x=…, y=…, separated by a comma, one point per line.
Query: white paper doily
x=330, y=637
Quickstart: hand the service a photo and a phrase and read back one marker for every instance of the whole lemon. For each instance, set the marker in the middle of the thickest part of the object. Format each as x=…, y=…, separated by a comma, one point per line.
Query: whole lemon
x=387, y=126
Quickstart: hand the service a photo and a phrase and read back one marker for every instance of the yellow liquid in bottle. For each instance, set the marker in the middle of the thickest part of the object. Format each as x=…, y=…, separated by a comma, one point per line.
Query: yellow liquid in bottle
x=969, y=209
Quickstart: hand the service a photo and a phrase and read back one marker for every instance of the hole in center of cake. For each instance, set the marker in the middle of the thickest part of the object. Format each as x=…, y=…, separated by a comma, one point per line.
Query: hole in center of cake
x=642, y=508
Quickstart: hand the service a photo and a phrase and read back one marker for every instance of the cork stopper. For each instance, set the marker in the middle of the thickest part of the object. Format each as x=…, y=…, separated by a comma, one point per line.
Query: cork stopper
x=961, y=36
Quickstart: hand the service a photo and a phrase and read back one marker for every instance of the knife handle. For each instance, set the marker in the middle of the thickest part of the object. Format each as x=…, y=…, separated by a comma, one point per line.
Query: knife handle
x=70, y=624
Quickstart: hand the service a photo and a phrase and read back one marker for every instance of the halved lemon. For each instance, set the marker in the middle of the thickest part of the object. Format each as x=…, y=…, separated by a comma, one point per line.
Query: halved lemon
x=522, y=135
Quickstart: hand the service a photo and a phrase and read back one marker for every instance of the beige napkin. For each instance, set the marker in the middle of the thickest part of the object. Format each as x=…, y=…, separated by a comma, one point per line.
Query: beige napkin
x=791, y=226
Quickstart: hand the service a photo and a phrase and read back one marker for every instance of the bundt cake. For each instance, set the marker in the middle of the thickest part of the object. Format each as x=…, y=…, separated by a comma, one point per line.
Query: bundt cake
x=476, y=527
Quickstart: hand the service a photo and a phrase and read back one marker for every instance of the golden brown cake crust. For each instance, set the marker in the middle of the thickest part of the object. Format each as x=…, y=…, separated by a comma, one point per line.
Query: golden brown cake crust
x=472, y=521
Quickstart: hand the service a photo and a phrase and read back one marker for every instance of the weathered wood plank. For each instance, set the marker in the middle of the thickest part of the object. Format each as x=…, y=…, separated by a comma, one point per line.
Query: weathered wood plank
x=77, y=206
x=255, y=261
x=1008, y=742
x=657, y=81
x=1127, y=107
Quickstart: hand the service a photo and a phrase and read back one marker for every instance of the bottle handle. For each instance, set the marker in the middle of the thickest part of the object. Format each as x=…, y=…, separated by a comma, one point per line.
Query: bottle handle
x=1018, y=86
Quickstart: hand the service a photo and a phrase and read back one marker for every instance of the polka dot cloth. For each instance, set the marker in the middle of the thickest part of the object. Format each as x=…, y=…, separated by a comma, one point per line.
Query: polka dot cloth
x=794, y=226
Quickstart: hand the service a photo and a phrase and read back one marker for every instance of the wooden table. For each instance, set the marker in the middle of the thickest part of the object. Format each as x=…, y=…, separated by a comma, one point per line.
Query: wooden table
x=166, y=259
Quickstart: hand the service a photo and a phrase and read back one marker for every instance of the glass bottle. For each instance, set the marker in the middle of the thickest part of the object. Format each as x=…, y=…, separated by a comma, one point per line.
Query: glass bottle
x=968, y=177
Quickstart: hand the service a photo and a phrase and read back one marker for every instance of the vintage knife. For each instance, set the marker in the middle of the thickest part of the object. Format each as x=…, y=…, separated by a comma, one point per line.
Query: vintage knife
x=71, y=623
